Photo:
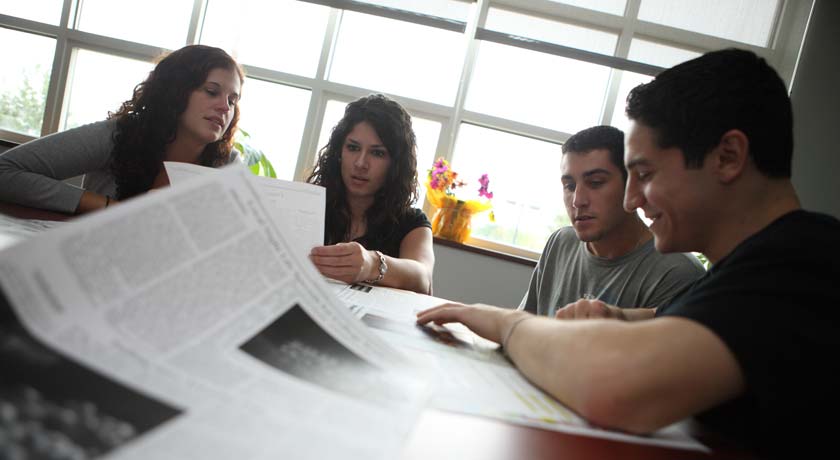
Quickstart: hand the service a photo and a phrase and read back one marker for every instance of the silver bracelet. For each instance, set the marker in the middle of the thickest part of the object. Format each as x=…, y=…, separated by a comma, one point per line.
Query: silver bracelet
x=513, y=327
x=383, y=268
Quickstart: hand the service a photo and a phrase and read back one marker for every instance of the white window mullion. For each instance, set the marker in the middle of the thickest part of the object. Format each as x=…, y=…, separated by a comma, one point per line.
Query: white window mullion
x=449, y=132
x=318, y=100
x=196, y=21
x=622, y=50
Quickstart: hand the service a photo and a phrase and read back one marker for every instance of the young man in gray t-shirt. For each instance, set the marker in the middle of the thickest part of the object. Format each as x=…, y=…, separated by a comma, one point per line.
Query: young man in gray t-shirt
x=607, y=253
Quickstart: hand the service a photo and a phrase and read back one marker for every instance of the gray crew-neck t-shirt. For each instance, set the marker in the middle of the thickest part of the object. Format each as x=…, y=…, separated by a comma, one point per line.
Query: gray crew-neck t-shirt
x=567, y=272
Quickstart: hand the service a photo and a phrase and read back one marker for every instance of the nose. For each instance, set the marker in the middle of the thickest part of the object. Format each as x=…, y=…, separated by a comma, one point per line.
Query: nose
x=361, y=161
x=633, y=197
x=580, y=198
x=223, y=106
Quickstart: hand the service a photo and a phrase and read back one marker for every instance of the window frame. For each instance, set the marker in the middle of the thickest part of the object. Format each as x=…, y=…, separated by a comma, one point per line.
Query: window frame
x=782, y=52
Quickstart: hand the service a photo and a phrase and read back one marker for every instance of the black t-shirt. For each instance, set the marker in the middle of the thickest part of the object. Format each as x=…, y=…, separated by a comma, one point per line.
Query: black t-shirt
x=774, y=302
x=388, y=239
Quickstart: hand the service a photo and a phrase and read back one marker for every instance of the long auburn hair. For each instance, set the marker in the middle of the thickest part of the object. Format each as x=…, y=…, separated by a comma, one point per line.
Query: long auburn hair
x=148, y=121
x=393, y=126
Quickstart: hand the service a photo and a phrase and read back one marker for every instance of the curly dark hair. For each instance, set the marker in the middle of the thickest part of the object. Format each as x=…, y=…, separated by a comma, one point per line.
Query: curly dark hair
x=693, y=104
x=393, y=126
x=148, y=121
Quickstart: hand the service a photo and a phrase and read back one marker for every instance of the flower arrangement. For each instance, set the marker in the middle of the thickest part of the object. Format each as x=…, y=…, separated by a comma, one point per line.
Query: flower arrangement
x=453, y=216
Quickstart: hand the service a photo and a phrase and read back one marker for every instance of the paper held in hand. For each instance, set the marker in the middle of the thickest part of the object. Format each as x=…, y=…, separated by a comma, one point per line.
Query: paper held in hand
x=186, y=324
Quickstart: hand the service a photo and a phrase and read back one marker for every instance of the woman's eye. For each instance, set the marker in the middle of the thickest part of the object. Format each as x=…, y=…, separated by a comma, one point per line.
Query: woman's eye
x=379, y=153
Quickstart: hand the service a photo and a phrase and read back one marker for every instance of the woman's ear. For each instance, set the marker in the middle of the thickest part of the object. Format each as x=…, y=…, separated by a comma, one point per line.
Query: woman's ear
x=731, y=155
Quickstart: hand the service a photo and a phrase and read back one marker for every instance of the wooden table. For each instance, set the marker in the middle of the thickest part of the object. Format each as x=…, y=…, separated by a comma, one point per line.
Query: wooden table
x=443, y=435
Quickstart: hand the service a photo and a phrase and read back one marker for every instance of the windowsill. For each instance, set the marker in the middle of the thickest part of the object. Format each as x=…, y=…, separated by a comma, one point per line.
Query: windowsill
x=486, y=252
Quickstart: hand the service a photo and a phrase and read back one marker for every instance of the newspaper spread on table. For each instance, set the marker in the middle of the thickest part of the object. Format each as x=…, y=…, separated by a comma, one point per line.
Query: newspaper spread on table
x=184, y=325
x=472, y=375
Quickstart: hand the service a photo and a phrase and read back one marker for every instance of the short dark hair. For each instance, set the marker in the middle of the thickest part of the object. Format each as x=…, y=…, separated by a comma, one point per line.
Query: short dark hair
x=599, y=137
x=692, y=105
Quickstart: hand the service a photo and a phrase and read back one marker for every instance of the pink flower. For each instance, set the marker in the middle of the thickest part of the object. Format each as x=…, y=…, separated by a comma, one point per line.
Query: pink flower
x=482, y=191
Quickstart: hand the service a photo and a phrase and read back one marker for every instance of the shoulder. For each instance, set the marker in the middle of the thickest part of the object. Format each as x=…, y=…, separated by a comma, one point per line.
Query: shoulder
x=678, y=263
x=414, y=218
x=562, y=239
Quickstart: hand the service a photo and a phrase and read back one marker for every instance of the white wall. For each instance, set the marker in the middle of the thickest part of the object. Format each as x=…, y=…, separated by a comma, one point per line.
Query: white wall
x=816, y=112
x=469, y=277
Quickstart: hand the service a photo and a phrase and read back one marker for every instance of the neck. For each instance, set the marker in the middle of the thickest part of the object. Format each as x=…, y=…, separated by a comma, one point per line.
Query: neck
x=358, y=207
x=621, y=240
x=773, y=199
x=183, y=150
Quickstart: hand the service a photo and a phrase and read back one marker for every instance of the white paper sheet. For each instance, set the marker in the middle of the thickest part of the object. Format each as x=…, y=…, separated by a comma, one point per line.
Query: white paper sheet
x=298, y=206
x=472, y=376
x=182, y=324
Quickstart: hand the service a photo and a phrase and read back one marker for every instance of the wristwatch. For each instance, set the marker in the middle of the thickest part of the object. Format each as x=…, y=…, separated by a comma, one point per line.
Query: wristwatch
x=383, y=269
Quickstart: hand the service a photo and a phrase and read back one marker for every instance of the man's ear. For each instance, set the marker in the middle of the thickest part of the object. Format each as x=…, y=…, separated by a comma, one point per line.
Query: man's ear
x=731, y=155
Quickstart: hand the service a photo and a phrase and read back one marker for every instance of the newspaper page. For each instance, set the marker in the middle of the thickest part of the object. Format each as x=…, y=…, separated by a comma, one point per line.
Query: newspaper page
x=14, y=230
x=298, y=206
x=181, y=325
x=472, y=375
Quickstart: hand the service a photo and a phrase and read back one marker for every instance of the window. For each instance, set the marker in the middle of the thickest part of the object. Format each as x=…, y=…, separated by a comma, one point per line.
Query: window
x=607, y=6
x=415, y=61
x=524, y=178
x=747, y=21
x=47, y=11
x=283, y=35
x=23, y=87
x=494, y=86
x=274, y=116
x=90, y=97
x=163, y=23
x=551, y=91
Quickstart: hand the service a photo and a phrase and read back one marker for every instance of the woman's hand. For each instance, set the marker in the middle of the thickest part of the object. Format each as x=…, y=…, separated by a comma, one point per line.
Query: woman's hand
x=347, y=262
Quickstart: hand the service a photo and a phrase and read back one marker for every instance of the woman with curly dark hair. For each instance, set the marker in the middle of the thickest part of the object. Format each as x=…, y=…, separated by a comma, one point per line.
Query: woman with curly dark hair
x=186, y=110
x=369, y=169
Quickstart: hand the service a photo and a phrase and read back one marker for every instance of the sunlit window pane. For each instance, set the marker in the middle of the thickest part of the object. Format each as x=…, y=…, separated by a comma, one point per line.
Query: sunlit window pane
x=23, y=86
x=284, y=35
x=658, y=54
x=426, y=131
x=537, y=88
x=48, y=11
x=629, y=80
x=650, y=53
x=524, y=177
x=274, y=116
x=162, y=23
x=748, y=21
x=92, y=92
x=551, y=31
x=398, y=57
x=607, y=6
x=450, y=9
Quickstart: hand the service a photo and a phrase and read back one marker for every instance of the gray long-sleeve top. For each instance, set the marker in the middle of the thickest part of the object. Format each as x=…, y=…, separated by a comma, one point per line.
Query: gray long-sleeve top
x=32, y=174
